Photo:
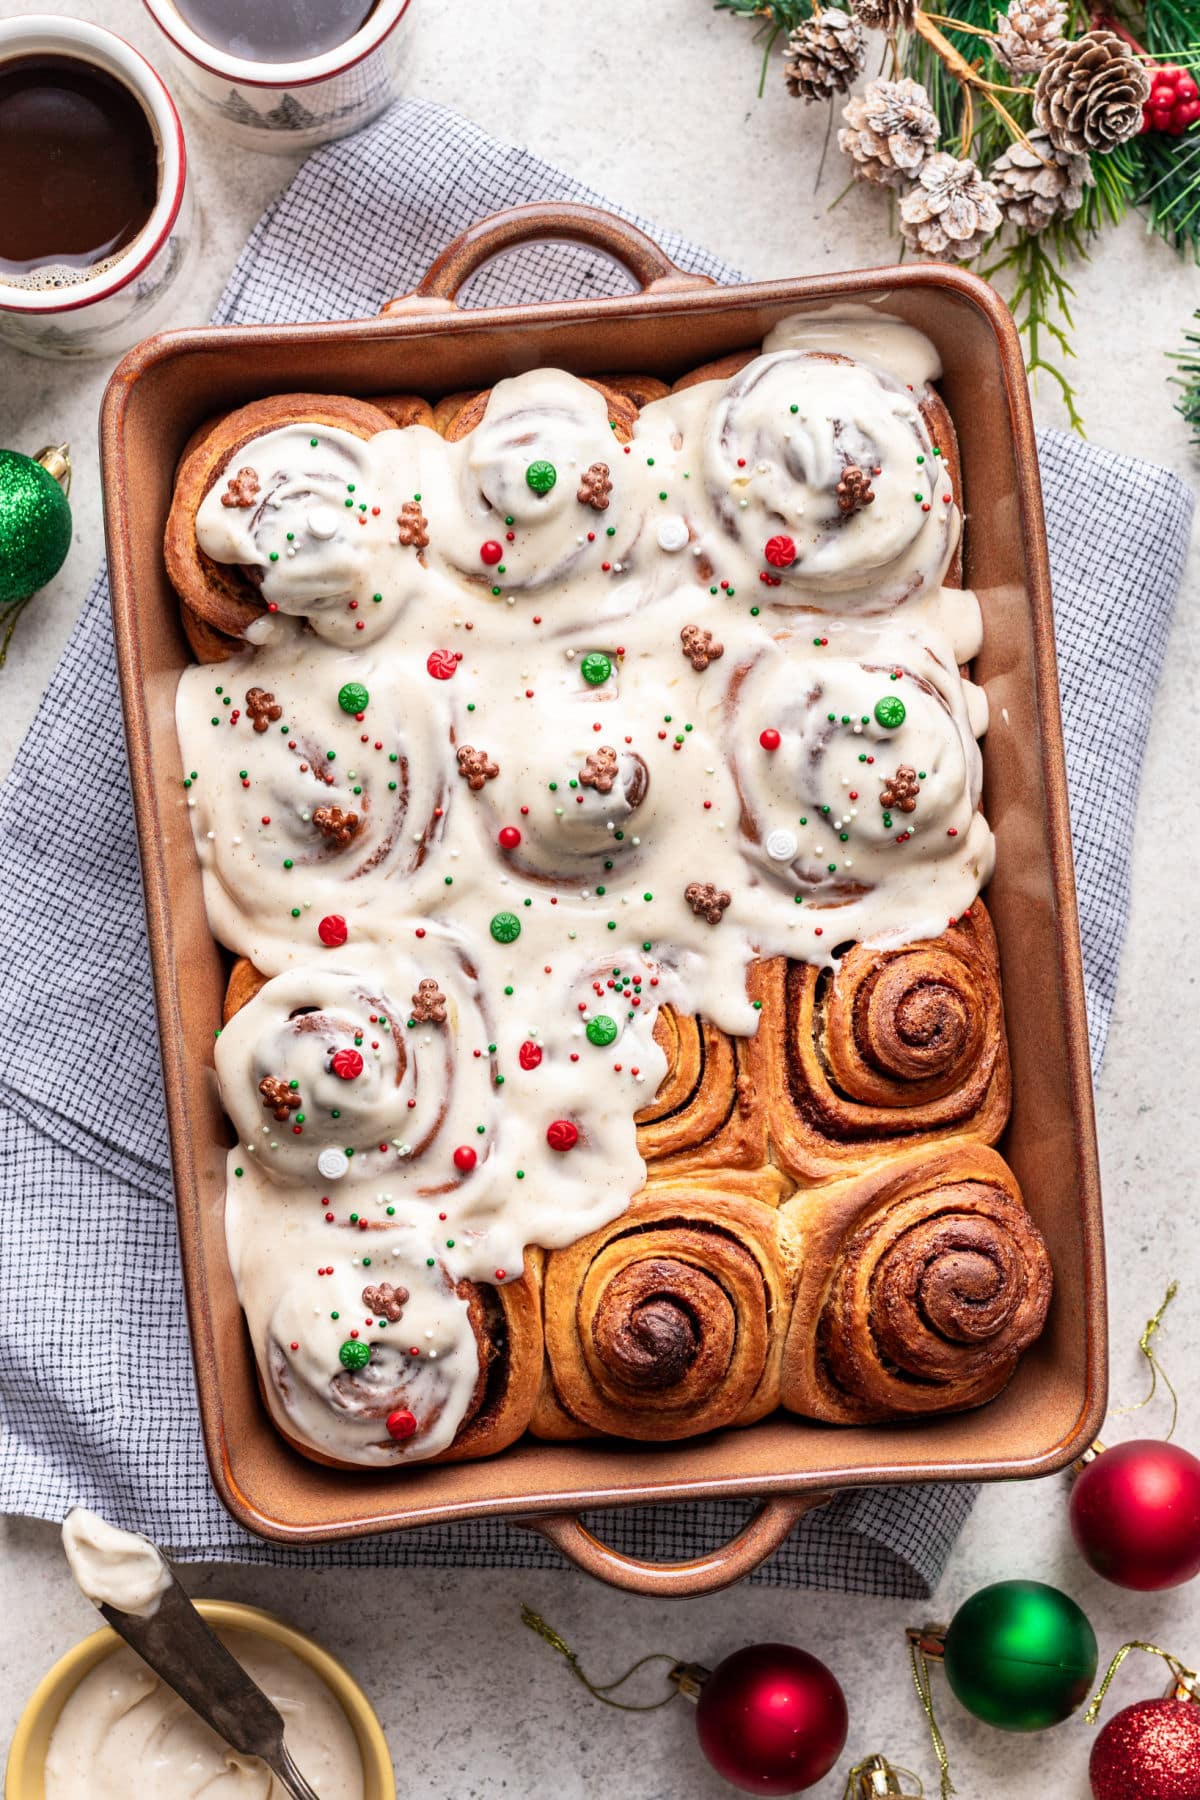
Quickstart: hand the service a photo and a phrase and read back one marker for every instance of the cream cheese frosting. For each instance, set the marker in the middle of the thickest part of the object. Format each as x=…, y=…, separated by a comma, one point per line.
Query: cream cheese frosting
x=114, y=1567
x=545, y=731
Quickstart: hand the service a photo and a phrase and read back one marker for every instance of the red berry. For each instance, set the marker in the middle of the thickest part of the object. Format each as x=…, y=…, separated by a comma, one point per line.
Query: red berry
x=769, y=739
x=347, y=1064
x=465, y=1159
x=562, y=1135
x=508, y=837
x=441, y=664
x=491, y=552
x=1186, y=89
x=1162, y=117
x=780, y=552
x=401, y=1425
x=1189, y=112
x=332, y=930
x=530, y=1054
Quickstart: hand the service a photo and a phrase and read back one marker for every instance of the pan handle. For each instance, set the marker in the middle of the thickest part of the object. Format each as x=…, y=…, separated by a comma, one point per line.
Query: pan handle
x=537, y=222
x=759, y=1538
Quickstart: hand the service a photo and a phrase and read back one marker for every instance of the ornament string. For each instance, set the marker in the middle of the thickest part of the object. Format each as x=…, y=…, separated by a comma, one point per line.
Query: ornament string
x=1157, y=1372
x=920, y=1644
x=602, y=1690
x=1185, y=1678
x=875, y=1775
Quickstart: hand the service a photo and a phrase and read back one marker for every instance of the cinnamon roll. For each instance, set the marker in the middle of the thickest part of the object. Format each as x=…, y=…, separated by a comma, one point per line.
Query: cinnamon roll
x=710, y=1109
x=257, y=516
x=922, y=1282
x=669, y=1321
x=370, y=1354
x=895, y=1047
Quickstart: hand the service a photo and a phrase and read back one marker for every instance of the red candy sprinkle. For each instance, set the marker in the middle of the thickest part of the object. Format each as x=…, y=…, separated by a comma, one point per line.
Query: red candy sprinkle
x=562, y=1135
x=780, y=552
x=769, y=739
x=441, y=664
x=465, y=1159
x=491, y=552
x=508, y=837
x=347, y=1064
x=333, y=930
x=530, y=1054
x=401, y=1425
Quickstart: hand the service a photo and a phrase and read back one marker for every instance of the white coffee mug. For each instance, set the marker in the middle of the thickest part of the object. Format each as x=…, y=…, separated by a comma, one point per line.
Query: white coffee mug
x=294, y=105
x=132, y=293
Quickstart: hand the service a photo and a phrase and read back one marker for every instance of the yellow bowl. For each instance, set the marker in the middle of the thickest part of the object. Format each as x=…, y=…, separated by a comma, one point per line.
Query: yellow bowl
x=24, y=1777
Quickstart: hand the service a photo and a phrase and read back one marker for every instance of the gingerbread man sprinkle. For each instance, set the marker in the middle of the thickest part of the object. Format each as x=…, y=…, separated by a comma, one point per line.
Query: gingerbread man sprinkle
x=595, y=487
x=262, y=707
x=338, y=826
x=700, y=647
x=900, y=790
x=279, y=1096
x=707, y=901
x=600, y=770
x=241, y=489
x=476, y=767
x=414, y=526
x=386, y=1300
x=854, y=489
x=429, y=1003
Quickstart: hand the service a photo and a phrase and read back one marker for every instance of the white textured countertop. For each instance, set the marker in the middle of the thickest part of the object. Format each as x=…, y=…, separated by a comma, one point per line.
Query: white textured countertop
x=655, y=105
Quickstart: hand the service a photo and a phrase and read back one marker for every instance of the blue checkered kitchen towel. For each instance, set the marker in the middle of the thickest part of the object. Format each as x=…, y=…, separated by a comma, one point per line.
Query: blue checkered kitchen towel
x=83, y=1145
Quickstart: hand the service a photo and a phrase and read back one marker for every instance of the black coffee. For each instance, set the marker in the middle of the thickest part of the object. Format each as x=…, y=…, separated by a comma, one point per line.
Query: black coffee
x=275, y=31
x=80, y=166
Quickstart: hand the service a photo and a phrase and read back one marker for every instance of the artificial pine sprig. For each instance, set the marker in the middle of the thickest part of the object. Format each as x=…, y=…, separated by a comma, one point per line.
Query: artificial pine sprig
x=1189, y=379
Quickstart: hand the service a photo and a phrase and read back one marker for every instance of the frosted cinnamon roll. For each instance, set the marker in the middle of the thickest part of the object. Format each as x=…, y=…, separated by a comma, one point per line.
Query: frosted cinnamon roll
x=893, y=1047
x=259, y=518
x=311, y=780
x=331, y=1076
x=922, y=1283
x=370, y=1354
x=817, y=477
x=860, y=777
x=543, y=492
x=668, y=1322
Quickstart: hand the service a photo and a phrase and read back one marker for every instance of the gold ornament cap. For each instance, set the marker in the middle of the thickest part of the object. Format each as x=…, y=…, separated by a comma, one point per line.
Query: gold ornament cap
x=875, y=1778
x=56, y=460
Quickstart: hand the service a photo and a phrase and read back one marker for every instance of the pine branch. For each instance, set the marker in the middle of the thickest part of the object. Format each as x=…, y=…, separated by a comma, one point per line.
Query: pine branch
x=1041, y=304
x=1189, y=379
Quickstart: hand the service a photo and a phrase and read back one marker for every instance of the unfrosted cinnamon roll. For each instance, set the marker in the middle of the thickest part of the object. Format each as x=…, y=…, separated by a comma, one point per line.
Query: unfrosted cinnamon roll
x=895, y=1047
x=332, y=1077
x=922, y=1282
x=710, y=1109
x=859, y=776
x=257, y=519
x=669, y=1321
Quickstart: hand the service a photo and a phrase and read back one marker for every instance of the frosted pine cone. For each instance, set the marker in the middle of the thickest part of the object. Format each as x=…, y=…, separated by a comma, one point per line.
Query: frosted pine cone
x=951, y=211
x=1039, y=184
x=1026, y=36
x=885, y=15
x=824, y=55
x=1090, y=94
x=890, y=130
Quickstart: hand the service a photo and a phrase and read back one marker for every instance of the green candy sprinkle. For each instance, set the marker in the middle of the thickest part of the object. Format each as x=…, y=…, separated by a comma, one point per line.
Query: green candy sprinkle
x=354, y=1354
x=595, y=667
x=890, y=712
x=601, y=1031
x=505, y=927
x=353, y=698
x=541, y=476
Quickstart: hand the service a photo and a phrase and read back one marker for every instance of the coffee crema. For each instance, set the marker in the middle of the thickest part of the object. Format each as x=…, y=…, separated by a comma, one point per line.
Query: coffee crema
x=81, y=167
x=275, y=31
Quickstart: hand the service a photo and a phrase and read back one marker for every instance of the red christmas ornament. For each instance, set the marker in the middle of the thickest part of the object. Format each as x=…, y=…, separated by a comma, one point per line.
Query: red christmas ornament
x=508, y=837
x=401, y=1425
x=347, y=1064
x=780, y=552
x=1151, y=1751
x=562, y=1135
x=771, y=1719
x=769, y=739
x=441, y=664
x=530, y=1054
x=465, y=1159
x=332, y=930
x=1135, y=1514
x=1174, y=100
x=491, y=552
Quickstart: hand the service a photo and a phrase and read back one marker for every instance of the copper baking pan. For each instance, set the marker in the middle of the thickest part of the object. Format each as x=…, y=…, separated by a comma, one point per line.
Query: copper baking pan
x=424, y=342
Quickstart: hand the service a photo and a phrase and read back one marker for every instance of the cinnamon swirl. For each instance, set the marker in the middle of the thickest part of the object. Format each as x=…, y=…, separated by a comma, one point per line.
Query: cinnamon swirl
x=922, y=1281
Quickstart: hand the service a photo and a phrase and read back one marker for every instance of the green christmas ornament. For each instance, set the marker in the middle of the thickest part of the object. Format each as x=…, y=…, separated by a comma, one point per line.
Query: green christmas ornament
x=1020, y=1655
x=35, y=527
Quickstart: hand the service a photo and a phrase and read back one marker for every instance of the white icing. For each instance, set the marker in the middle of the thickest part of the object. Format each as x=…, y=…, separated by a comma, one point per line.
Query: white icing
x=599, y=877
x=114, y=1567
x=124, y=1735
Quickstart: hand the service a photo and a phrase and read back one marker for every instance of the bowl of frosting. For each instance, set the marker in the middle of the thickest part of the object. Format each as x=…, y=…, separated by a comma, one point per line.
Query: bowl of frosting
x=101, y=1725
